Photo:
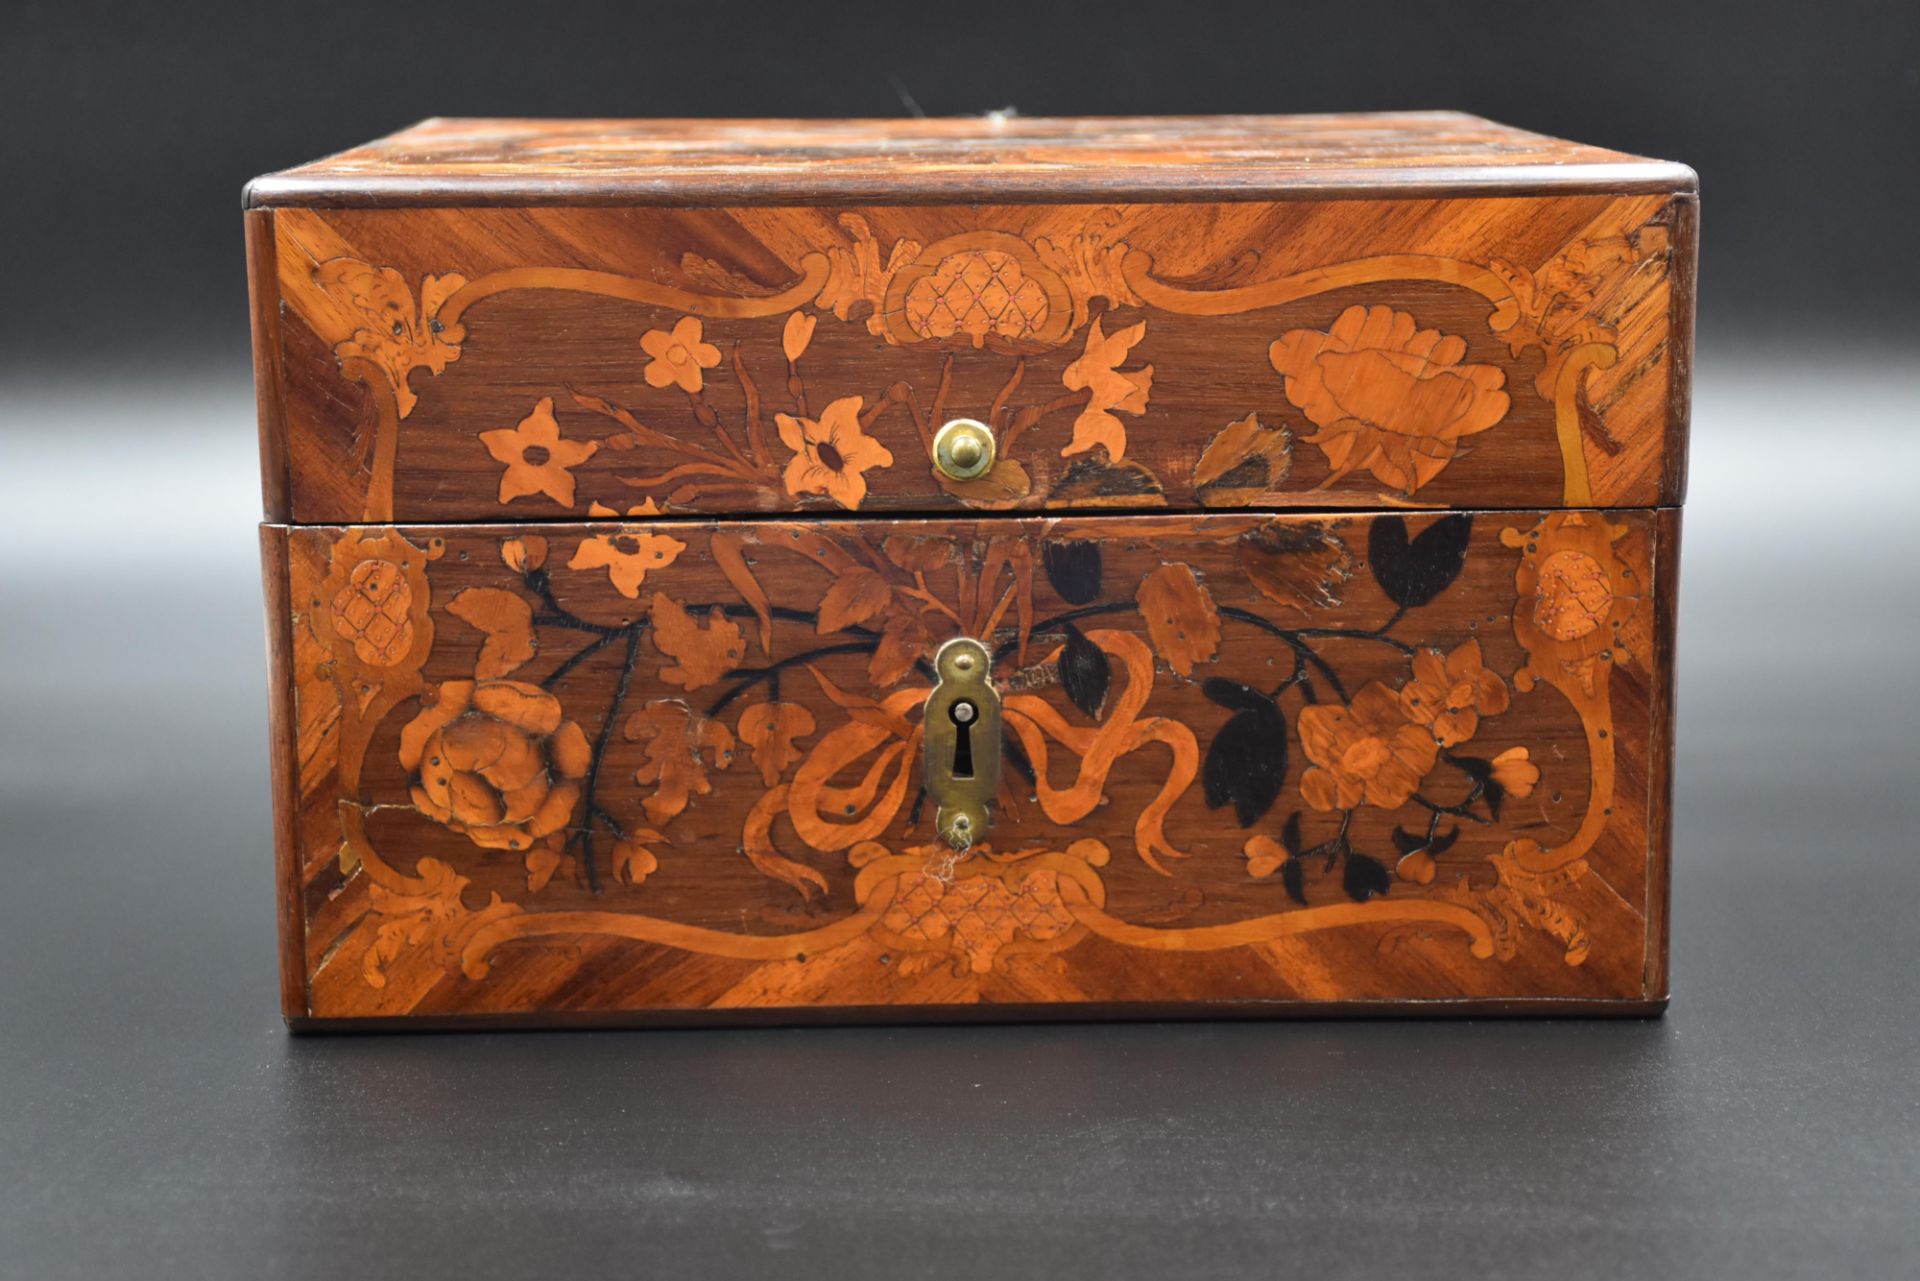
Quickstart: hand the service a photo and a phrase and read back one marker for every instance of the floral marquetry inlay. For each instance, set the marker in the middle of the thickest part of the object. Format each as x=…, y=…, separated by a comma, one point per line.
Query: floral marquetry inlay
x=1388, y=397
x=1218, y=735
x=1311, y=552
x=977, y=293
x=1575, y=596
x=373, y=611
x=1064, y=344
x=978, y=916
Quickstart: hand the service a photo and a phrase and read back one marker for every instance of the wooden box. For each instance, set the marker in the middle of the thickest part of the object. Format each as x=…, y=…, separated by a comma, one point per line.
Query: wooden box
x=772, y=570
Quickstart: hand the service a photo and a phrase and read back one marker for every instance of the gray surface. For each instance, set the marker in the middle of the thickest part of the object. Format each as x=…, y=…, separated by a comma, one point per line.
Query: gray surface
x=156, y=1120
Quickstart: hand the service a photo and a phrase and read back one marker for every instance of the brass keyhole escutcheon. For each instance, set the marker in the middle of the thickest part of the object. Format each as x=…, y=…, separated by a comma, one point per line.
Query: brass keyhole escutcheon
x=962, y=732
x=963, y=714
x=963, y=449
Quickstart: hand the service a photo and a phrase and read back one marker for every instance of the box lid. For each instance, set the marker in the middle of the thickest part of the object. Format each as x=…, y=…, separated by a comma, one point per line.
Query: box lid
x=487, y=161
x=512, y=319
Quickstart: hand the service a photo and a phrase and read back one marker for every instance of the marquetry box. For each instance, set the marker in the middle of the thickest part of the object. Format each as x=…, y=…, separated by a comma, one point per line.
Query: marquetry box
x=772, y=570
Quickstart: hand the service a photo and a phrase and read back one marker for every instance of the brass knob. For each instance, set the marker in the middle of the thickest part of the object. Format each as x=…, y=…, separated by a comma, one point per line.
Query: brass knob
x=963, y=449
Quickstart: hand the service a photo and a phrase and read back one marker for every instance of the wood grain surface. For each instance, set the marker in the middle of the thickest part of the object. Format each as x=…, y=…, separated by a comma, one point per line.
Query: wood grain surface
x=425, y=364
x=660, y=769
x=1324, y=567
x=692, y=162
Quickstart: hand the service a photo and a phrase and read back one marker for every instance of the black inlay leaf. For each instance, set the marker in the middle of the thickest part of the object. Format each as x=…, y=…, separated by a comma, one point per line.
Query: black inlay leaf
x=1073, y=568
x=1365, y=877
x=1290, y=835
x=1481, y=772
x=1407, y=842
x=1084, y=672
x=1295, y=880
x=1247, y=760
x=1234, y=696
x=1412, y=573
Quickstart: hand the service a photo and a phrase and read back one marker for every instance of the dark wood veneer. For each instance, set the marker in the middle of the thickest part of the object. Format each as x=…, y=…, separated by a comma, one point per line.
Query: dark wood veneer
x=1328, y=568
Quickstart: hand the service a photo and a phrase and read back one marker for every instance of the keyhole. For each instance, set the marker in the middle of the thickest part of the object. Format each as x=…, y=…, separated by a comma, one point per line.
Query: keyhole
x=963, y=715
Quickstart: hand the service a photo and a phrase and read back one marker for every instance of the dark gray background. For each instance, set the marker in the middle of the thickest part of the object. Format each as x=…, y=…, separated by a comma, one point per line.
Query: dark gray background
x=156, y=1120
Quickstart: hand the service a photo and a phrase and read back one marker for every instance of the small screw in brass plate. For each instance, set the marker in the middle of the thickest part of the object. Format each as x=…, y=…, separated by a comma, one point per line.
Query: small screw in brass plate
x=963, y=449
